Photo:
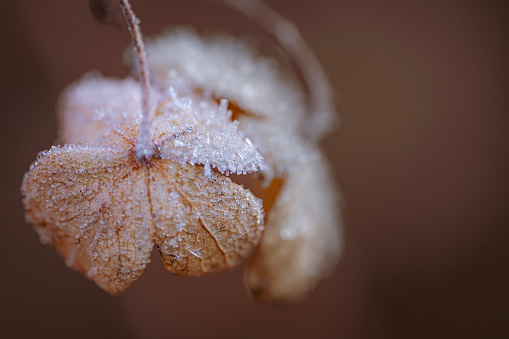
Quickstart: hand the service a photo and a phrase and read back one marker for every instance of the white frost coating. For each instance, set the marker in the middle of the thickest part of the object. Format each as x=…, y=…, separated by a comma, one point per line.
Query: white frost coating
x=189, y=128
x=228, y=68
x=283, y=149
x=93, y=108
x=198, y=131
x=223, y=66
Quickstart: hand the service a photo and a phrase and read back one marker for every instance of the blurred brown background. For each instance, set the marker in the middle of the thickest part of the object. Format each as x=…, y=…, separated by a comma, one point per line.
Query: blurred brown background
x=421, y=158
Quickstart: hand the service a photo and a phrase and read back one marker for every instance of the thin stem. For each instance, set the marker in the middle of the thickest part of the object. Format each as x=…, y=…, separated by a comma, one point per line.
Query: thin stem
x=144, y=147
x=316, y=85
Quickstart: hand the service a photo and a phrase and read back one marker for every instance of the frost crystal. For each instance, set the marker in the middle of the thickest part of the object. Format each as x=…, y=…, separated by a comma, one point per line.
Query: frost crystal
x=198, y=131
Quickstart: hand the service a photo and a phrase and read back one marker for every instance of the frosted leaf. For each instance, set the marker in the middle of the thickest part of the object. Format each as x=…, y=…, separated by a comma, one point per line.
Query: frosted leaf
x=92, y=206
x=100, y=208
x=227, y=68
x=302, y=240
x=223, y=220
x=97, y=110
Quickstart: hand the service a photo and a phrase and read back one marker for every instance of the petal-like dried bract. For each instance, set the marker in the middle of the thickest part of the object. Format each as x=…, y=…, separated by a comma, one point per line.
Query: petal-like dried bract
x=302, y=240
x=203, y=224
x=91, y=204
x=187, y=127
x=97, y=110
x=283, y=149
x=229, y=68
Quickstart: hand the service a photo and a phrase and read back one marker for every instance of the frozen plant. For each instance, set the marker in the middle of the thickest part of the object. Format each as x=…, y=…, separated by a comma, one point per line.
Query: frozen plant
x=152, y=167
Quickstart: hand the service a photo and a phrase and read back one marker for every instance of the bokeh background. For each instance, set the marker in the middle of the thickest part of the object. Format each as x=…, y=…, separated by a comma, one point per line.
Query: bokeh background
x=421, y=158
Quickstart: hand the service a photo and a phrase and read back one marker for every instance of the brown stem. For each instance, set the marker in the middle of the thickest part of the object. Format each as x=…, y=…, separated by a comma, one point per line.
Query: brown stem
x=316, y=85
x=144, y=147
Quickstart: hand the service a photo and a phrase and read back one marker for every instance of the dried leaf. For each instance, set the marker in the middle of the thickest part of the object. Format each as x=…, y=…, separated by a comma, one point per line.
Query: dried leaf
x=202, y=224
x=103, y=211
x=92, y=205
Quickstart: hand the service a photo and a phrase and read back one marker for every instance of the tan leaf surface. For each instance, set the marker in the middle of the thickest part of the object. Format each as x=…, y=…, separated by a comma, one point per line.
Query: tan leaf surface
x=202, y=224
x=91, y=204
